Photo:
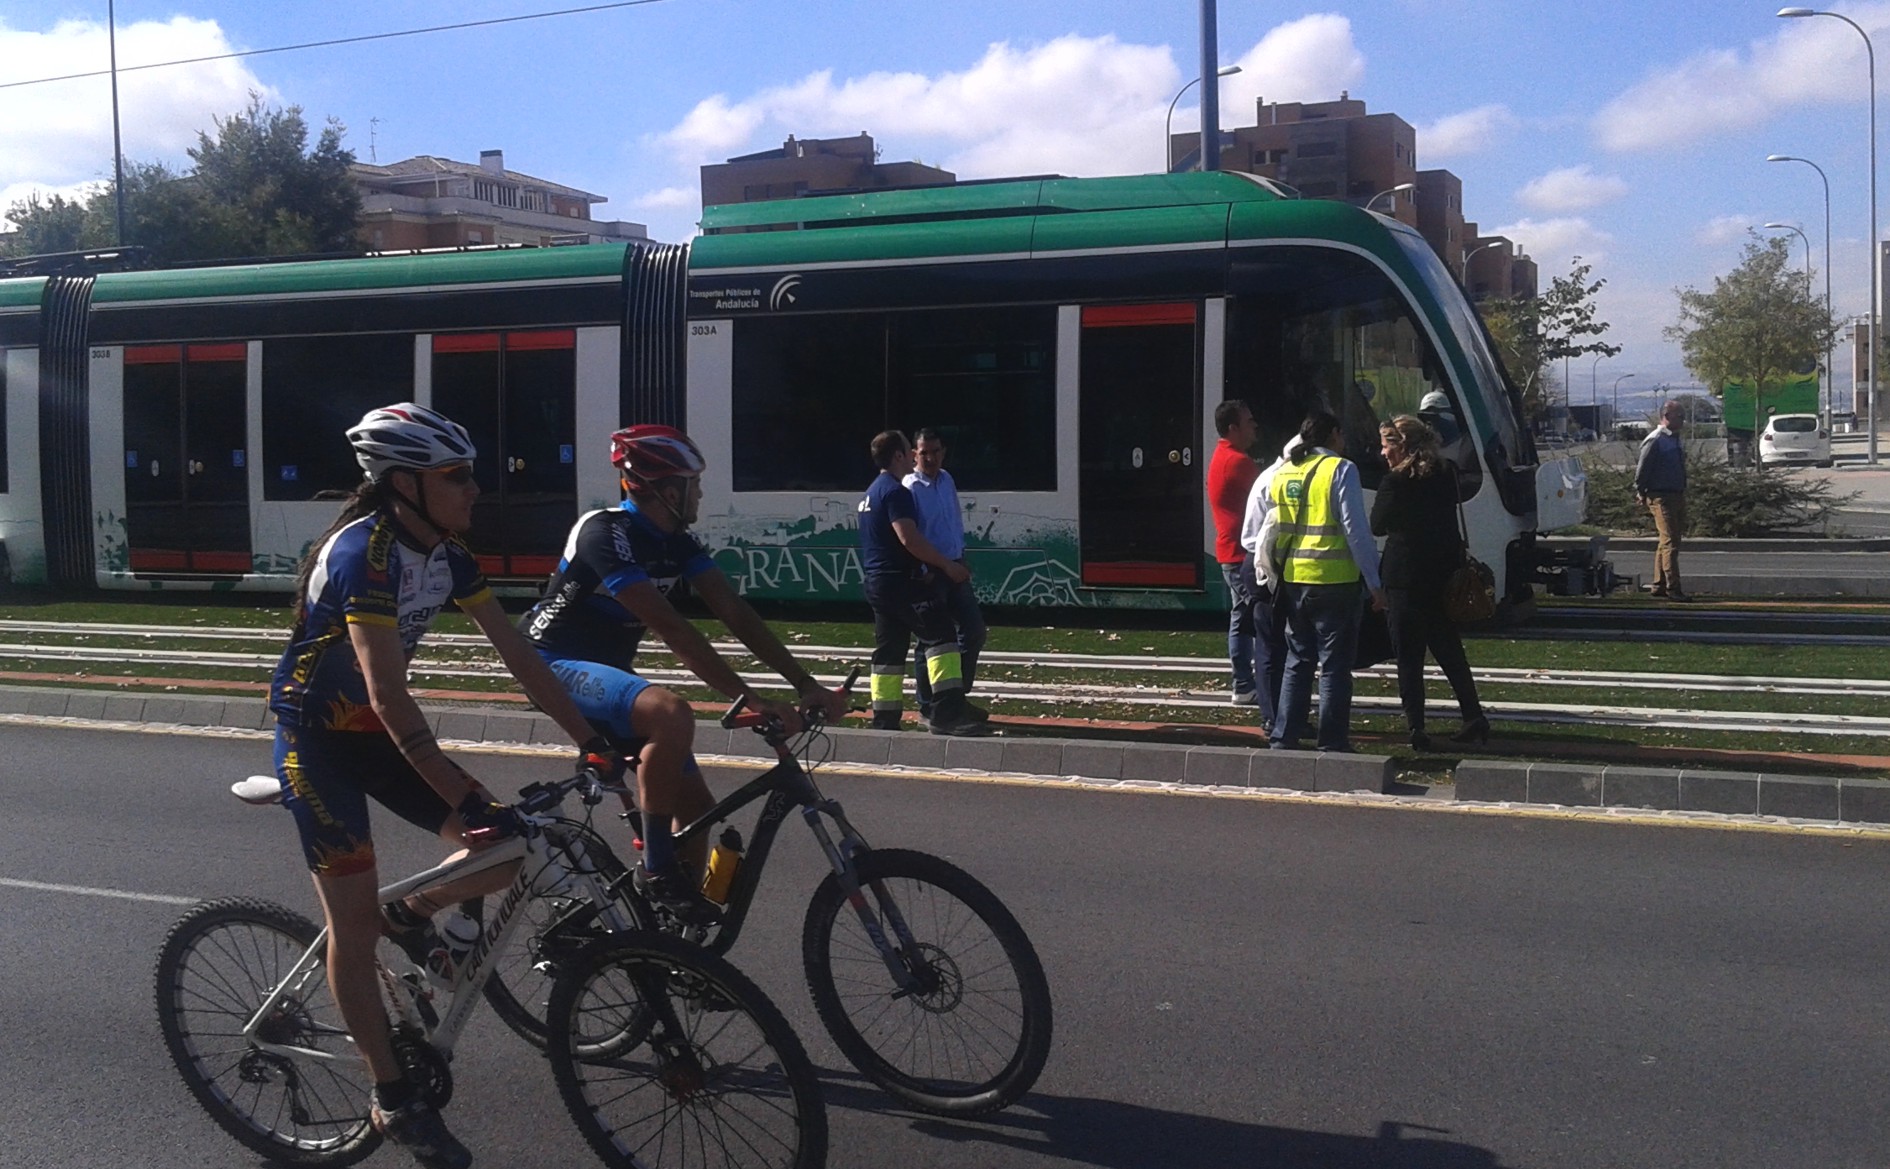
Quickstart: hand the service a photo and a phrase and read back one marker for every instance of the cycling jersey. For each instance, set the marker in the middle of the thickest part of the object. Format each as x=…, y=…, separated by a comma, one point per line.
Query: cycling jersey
x=608, y=551
x=364, y=575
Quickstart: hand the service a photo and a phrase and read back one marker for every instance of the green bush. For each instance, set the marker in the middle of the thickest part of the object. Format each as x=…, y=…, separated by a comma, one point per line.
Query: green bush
x=1722, y=500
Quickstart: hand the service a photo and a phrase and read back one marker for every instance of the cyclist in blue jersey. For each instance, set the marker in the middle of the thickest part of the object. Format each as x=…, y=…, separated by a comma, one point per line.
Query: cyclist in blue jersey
x=612, y=585
x=348, y=729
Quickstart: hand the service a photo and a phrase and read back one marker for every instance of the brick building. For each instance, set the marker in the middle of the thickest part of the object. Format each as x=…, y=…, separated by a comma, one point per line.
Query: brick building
x=432, y=202
x=805, y=166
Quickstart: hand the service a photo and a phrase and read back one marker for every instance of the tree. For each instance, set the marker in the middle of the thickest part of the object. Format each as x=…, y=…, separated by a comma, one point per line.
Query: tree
x=255, y=190
x=1758, y=326
x=1532, y=333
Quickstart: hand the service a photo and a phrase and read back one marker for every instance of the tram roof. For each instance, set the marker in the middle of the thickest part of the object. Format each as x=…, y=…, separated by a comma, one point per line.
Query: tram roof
x=22, y=290
x=1032, y=216
x=505, y=265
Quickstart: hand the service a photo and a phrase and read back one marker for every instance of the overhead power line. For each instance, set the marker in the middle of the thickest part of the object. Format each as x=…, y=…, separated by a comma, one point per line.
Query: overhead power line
x=379, y=36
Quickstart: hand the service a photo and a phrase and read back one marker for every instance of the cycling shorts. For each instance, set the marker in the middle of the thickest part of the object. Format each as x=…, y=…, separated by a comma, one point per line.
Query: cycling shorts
x=606, y=696
x=327, y=777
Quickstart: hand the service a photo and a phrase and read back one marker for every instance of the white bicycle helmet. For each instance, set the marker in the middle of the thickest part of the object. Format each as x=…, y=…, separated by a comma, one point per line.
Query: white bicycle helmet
x=406, y=436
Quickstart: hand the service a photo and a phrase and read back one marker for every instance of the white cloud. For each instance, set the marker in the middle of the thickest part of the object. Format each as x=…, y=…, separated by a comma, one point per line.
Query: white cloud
x=1309, y=59
x=1723, y=229
x=668, y=199
x=1553, y=243
x=59, y=133
x=1803, y=61
x=1572, y=188
x=1470, y=132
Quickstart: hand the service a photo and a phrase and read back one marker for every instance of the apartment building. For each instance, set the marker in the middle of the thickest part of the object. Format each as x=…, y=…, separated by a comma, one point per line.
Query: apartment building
x=805, y=166
x=433, y=202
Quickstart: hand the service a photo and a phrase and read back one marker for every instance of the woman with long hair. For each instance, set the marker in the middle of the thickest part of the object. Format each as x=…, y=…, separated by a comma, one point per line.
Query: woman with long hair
x=1416, y=513
x=347, y=728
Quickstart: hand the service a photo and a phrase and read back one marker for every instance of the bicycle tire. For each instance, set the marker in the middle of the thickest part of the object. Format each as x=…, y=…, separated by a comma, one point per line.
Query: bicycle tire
x=216, y=966
x=930, y=1049
x=523, y=974
x=717, y=1079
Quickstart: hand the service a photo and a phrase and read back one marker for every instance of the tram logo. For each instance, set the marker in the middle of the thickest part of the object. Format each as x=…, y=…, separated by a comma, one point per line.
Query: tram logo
x=783, y=293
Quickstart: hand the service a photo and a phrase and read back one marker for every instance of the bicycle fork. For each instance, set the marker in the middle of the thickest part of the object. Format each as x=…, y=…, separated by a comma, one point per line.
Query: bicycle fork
x=902, y=960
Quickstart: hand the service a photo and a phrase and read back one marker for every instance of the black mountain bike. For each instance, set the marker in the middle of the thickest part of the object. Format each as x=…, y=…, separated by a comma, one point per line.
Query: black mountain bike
x=925, y=980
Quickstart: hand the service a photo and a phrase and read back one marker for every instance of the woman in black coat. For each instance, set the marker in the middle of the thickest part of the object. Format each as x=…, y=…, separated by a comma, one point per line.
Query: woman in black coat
x=1416, y=512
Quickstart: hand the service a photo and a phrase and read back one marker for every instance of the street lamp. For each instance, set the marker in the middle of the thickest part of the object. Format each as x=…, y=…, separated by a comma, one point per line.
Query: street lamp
x=1471, y=254
x=1870, y=54
x=1594, y=367
x=1801, y=235
x=1390, y=191
x=1830, y=376
x=1617, y=396
x=1168, y=125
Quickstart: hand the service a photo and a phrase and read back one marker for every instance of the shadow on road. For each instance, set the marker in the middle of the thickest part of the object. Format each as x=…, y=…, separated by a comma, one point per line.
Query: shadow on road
x=1084, y=1130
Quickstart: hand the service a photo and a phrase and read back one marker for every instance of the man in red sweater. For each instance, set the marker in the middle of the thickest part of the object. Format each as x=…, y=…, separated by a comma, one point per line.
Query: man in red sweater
x=1230, y=477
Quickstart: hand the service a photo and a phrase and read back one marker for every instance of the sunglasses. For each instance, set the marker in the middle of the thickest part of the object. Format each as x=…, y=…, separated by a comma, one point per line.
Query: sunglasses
x=458, y=476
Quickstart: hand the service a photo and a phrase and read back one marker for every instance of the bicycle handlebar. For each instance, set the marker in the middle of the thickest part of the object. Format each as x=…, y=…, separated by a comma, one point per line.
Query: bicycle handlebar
x=738, y=715
x=589, y=782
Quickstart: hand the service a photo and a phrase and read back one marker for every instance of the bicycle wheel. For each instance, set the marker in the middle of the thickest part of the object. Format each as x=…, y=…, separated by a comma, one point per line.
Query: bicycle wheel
x=558, y=924
x=974, y=1034
x=719, y=1078
x=217, y=965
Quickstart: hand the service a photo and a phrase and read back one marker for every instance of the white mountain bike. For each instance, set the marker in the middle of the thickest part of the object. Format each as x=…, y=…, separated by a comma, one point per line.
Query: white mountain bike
x=664, y=1054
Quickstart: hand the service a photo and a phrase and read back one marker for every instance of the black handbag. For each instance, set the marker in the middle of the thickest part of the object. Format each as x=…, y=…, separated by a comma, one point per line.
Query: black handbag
x=1470, y=592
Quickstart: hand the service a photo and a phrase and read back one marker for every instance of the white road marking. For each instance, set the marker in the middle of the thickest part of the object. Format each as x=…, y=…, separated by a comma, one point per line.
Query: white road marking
x=89, y=891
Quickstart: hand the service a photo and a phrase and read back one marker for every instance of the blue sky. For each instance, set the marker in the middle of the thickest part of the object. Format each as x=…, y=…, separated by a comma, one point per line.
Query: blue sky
x=1632, y=135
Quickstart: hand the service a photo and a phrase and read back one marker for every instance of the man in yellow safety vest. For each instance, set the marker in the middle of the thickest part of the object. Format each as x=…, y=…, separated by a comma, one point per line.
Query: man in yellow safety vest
x=1317, y=545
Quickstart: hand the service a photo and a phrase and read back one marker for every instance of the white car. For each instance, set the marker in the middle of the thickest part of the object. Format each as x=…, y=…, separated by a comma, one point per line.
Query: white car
x=1795, y=438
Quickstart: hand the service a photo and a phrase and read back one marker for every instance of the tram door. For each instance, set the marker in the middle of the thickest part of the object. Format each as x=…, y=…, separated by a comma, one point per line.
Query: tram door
x=515, y=393
x=186, y=463
x=1140, y=487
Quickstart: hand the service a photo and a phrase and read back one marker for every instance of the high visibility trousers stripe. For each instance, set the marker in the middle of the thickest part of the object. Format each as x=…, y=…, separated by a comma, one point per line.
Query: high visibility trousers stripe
x=889, y=688
x=946, y=669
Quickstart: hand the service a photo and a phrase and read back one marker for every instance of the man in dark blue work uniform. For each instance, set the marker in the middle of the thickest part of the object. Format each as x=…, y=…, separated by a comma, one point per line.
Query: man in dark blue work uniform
x=904, y=575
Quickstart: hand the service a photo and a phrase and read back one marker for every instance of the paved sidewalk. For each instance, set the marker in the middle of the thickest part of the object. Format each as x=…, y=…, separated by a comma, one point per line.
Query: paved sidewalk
x=1116, y=753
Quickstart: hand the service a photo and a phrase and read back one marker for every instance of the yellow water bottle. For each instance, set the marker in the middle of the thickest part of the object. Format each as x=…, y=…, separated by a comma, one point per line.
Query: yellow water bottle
x=723, y=861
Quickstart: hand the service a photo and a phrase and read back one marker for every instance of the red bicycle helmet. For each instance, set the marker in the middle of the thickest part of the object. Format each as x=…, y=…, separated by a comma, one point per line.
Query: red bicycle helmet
x=651, y=452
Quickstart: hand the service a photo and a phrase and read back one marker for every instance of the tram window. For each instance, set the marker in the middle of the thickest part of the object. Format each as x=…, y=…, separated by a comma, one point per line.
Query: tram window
x=313, y=390
x=985, y=379
x=1310, y=328
x=809, y=394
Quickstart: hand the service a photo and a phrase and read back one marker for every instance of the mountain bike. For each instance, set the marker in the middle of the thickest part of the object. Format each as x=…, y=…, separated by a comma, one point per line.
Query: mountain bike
x=927, y=983
x=664, y=1054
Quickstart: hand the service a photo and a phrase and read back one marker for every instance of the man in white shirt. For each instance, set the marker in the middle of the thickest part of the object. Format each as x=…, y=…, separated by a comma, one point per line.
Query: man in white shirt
x=942, y=521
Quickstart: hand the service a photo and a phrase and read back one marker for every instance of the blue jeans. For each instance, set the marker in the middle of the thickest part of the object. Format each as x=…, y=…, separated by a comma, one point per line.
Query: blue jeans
x=961, y=605
x=1256, y=638
x=1321, y=629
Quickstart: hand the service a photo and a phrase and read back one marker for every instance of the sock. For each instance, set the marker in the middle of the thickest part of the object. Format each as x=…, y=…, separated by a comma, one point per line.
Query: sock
x=393, y=1095
x=659, y=844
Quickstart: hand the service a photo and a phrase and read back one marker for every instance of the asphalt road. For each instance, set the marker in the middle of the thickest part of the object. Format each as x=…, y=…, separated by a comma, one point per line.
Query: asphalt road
x=1239, y=984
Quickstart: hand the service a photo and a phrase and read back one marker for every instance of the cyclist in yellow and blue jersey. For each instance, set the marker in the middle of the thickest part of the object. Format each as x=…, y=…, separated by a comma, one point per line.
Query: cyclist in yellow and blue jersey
x=347, y=728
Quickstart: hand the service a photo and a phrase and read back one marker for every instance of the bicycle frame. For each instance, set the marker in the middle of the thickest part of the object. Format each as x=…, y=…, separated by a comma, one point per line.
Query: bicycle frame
x=540, y=867
x=785, y=786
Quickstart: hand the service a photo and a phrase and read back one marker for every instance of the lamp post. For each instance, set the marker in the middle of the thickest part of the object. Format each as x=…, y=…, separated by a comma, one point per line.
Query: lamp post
x=1469, y=255
x=1401, y=187
x=118, y=150
x=1594, y=367
x=1616, y=417
x=1801, y=235
x=1870, y=55
x=1168, y=124
x=1830, y=376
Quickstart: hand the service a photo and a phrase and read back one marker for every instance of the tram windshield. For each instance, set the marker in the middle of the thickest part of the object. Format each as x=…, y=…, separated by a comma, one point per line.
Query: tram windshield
x=1319, y=327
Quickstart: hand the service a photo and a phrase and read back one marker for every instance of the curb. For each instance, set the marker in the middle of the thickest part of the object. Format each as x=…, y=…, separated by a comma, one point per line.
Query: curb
x=1794, y=797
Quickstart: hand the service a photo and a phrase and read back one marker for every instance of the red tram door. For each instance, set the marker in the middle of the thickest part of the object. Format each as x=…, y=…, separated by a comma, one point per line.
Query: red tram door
x=1140, y=484
x=186, y=459
x=515, y=393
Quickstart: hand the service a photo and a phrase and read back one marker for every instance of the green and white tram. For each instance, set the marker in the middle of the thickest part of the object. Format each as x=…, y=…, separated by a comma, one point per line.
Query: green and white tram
x=1068, y=338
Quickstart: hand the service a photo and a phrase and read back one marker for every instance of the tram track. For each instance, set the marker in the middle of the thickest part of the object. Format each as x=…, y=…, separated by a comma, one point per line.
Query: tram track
x=1194, y=679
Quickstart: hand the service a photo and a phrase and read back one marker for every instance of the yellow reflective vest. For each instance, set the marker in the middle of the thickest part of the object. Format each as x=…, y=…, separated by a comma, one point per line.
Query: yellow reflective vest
x=1311, y=547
